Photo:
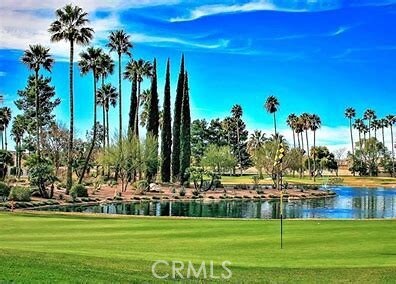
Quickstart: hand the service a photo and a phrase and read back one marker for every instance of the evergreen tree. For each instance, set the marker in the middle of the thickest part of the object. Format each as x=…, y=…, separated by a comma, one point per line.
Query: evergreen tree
x=176, y=123
x=133, y=105
x=153, y=117
x=166, y=131
x=153, y=112
x=199, y=139
x=27, y=104
x=185, y=133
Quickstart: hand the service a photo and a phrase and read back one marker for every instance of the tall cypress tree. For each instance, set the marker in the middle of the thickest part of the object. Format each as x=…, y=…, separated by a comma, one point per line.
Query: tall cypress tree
x=132, y=109
x=166, y=131
x=185, y=133
x=176, y=123
x=153, y=118
x=153, y=113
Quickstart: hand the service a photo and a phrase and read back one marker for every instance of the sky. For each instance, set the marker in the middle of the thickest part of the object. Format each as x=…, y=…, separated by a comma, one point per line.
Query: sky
x=315, y=56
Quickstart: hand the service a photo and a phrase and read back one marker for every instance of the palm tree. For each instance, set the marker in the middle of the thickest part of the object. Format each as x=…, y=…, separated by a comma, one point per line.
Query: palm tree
x=359, y=126
x=306, y=124
x=71, y=26
x=315, y=125
x=256, y=140
x=138, y=69
x=90, y=61
x=384, y=124
x=351, y=113
x=120, y=43
x=375, y=125
x=299, y=129
x=291, y=122
x=36, y=57
x=17, y=131
x=107, y=96
x=272, y=105
x=392, y=120
x=106, y=67
x=6, y=118
x=237, y=113
x=369, y=115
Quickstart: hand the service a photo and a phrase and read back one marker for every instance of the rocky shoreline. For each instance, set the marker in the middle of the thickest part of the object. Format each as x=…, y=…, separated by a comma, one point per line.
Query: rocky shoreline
x=228, y=193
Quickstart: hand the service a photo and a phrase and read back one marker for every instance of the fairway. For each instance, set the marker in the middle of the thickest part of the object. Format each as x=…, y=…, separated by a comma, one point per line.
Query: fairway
x=37, y=247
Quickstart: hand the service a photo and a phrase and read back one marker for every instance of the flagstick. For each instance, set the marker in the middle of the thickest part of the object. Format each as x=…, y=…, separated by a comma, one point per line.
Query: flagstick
x=281, y=207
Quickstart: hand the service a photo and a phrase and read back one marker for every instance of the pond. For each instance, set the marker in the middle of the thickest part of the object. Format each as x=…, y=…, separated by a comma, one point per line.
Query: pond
x=350, y=203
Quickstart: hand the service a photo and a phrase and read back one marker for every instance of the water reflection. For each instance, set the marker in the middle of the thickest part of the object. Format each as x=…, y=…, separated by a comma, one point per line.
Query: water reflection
x=351, y=203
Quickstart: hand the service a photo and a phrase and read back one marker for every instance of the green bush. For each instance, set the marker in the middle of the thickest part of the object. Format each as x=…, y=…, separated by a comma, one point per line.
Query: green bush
x=79, y=190
x=19, y=193
x=4, y=190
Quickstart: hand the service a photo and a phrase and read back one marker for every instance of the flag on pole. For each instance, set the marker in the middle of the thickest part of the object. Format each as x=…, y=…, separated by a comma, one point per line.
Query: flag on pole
x=280, y=153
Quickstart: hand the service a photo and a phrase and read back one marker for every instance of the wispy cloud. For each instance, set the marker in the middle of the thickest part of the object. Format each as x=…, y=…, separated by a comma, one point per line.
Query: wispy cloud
x=2, y=73
x=293, y=6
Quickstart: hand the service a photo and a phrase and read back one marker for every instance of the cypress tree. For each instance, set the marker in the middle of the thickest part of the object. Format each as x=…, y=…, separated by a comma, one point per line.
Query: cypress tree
x=132, y=108
x=176, y=124
x=166, y=131
x=185, y=133
x=153, y=113
x=153, y=118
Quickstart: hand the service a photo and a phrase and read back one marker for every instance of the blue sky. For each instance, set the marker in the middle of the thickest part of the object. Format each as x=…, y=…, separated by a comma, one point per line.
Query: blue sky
x=316, y=56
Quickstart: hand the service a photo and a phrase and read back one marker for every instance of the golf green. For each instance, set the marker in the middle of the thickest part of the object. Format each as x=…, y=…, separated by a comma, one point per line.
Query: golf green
x=90, y=248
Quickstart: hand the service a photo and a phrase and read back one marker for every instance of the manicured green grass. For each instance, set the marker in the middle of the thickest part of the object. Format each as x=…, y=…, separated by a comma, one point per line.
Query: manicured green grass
x=347, y=180
x=85, y=248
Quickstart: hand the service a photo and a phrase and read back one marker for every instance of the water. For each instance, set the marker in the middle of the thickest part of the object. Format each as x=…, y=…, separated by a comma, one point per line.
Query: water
x=350, y=203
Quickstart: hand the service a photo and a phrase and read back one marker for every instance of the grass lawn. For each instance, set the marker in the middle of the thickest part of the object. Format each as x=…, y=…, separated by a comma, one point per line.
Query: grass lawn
x=87, y=248
x=348, y=180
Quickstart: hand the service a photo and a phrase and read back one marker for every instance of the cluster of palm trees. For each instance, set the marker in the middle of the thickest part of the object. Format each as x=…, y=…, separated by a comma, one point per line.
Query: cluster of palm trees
x=5, y=118
x=368, y=126
x=72, y=25
x=299, y=125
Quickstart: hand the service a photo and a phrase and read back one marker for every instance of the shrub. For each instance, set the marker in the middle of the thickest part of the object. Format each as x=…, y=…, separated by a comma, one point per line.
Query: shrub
x=182, y=191
x=19, y=193
x=142, y=185
x=4, y=190
x=79, y=190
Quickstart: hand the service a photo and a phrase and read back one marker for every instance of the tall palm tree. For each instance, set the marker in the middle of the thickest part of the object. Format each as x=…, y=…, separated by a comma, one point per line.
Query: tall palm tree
x=350, y=113
x=106, y=67
x=299, y=129
x=6, y=118
x=384, y=124
x=291, y=122
x=359, y=126
x=392, y=120
x=306, y=124
x=369, y=115
x=17, y=131
x=107, y=96
x=237, y=113
x=375, y=125
x=90, y=61
x=315, y=124
x=272, y=105
x=120, y=43
x=141, y=69
x=37, y=57
x=71, y=25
